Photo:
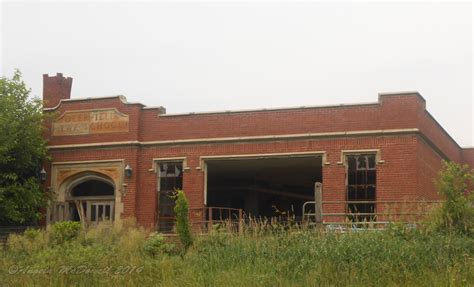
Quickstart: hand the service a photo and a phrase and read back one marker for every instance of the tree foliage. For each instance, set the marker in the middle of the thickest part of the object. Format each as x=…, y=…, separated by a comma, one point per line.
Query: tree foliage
x=22, y=150
x=183, y=228
x=455, y=183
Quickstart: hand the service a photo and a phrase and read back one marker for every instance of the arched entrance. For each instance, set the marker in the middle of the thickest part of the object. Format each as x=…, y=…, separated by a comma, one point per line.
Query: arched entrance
x=91, y=198
x=93, y=189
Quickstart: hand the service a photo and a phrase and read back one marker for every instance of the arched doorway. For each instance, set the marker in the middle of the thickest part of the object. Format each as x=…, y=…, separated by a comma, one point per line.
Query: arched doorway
x=92, y=199
x=96, y=188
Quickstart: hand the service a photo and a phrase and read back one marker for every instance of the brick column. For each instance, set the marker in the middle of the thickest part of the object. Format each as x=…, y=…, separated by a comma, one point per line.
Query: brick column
x=193, y=187
x=146, y=197
x=193, y=182
x=334, y=187
x=133, y=184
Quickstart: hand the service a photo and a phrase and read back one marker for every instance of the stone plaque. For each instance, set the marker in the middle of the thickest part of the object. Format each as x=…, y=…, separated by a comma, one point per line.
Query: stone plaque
x=90, y=122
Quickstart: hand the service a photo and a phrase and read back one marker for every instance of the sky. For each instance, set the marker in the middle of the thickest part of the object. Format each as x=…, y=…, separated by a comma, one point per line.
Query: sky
x=207, y=56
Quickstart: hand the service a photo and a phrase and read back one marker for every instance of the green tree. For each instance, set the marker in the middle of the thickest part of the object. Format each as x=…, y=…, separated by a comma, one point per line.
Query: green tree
x=22, y=150
x=181, y=209
x=456, y=214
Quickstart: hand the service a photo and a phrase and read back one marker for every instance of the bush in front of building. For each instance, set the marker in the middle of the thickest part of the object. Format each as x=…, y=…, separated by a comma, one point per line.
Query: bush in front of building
x=456, y=213
x=64, y=231
x=183, y=227
x=156, y=245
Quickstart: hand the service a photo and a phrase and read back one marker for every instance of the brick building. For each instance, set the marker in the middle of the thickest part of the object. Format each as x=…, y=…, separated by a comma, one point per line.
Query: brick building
x=120, y=159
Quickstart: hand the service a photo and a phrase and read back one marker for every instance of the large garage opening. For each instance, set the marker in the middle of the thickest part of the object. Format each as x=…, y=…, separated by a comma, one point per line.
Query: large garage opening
x=263, y=187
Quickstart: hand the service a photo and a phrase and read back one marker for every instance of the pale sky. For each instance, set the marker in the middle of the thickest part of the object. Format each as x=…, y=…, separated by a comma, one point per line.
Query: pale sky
x=192, y=57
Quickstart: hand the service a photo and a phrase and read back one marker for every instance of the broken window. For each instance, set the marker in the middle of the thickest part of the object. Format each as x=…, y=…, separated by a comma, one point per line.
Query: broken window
x=361, y=187
x=93, y=201
x=170, y=179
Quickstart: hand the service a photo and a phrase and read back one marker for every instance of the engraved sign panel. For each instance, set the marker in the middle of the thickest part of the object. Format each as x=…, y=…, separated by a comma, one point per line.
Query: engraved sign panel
x=90, y=122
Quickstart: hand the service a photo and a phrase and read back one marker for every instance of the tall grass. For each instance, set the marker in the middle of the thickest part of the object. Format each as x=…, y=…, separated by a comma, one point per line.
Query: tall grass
x=263, y=255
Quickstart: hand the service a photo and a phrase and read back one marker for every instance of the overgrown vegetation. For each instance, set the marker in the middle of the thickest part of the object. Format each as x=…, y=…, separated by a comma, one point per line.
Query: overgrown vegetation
x=457, y=212
x=297, y=257
x=65, y=231
x=183, y=227
x=22, y=149
x=439, y=252
x=157, y=245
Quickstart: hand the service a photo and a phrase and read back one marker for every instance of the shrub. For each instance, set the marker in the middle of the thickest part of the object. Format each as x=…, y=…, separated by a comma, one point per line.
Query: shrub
x=183, y=228
x=64, y=231
x=456, y=214
x=156, y=244
x=30, y=241
x=32, y=233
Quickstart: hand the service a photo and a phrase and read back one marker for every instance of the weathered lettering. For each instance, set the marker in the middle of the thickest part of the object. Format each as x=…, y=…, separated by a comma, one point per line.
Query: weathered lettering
x=90, y=122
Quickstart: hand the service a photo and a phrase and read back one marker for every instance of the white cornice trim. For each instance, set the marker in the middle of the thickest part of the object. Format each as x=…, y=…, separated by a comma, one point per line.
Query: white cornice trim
x=102, y=144
x=87, y=161
x=269, y=109
x=239, y=139
x=122, y=98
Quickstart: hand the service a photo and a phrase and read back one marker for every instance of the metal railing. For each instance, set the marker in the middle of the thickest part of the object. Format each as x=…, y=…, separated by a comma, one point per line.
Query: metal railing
x=203, y=219
x=385, y=211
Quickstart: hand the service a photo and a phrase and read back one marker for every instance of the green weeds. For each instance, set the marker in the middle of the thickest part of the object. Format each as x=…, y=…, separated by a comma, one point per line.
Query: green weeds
x=297, y=257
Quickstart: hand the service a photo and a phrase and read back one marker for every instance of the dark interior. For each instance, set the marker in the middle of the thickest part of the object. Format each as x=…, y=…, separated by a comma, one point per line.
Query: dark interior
x=89, y=188
x=264, y=187
x=92, y=188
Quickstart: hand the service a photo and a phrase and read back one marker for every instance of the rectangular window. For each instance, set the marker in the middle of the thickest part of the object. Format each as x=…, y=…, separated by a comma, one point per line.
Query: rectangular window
x=361, y=186
x=170, y=178
x=100, y=210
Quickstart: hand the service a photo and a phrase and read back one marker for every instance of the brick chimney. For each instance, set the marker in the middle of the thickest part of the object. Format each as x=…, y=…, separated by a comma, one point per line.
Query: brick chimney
x=55, y=88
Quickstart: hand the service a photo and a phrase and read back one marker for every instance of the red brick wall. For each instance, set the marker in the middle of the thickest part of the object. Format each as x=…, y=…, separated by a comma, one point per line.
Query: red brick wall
x=468, y=156
x=436, y=134
x=428, y=166
x=388, y=114
x=411, y=161
x=392, y=112
x=147, y=125
x=397, y=177
x=55, y=88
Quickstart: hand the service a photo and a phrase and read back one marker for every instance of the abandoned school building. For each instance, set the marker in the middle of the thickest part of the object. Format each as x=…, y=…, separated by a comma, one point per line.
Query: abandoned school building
x=121, y=159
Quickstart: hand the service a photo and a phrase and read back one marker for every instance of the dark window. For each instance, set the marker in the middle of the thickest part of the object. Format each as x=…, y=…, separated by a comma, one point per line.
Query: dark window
x=93, y=212
x=74, y=213
x=170, y=179
x=93, y=188
x=361, y=187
